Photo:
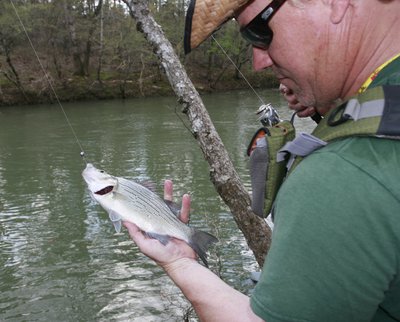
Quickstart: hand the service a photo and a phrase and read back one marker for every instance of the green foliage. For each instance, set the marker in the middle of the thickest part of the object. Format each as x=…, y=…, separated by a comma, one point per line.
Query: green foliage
x=11, y=32
x=99, y=41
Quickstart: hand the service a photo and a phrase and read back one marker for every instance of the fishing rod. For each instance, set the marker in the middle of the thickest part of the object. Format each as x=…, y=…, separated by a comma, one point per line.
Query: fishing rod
x=82, y=152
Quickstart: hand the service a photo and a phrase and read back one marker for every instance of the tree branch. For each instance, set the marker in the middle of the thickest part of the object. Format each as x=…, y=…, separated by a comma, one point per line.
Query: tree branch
x=222, y=172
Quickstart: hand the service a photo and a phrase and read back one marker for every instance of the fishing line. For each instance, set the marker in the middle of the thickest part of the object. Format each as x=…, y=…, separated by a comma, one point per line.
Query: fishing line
x=237, y=68
x=82, y=153
x=266, y=112
x=268, y=107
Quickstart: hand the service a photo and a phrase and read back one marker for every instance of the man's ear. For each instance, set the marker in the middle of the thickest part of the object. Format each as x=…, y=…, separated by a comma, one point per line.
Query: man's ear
x=339, y=8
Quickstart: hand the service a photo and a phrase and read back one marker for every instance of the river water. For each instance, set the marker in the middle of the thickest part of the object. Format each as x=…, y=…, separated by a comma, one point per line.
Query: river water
x=60, y=258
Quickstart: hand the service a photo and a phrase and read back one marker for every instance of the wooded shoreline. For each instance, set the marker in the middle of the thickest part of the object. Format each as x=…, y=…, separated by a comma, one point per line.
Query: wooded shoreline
x=89, y=50
x=86, y=89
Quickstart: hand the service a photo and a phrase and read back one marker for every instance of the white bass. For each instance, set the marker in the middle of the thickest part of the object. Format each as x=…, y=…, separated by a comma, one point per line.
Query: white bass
x=126, y=200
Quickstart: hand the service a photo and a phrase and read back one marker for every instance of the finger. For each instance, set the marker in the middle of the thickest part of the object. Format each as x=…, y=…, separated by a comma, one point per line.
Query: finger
x=132, y=228
x=185, y=210
x=168, y=190
x=134, y=231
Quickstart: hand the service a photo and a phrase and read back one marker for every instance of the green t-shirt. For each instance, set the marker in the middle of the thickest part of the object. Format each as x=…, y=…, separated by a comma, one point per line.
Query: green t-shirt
x=335, y=253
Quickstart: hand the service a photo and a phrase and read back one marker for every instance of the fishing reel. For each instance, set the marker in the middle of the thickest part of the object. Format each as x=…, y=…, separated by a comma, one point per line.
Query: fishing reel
x=267, y=115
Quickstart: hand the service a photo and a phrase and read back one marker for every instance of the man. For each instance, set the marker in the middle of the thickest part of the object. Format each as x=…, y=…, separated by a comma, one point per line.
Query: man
x=335, y=253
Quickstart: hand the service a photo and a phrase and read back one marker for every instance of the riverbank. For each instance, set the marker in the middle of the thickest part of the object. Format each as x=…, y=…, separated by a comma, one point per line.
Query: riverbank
x=38, y=91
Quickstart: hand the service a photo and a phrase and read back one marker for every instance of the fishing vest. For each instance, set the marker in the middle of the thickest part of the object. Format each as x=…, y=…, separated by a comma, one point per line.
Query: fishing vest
x=275, y=151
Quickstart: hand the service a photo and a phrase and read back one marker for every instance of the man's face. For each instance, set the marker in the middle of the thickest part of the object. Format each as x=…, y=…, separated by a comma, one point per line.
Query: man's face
x=300, y=51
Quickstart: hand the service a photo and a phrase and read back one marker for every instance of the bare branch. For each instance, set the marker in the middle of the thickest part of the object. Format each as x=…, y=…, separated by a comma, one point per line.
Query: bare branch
x=222, y=172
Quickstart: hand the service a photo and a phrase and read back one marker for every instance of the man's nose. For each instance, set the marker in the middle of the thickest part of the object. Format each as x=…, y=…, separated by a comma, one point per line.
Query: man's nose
x=261, y=59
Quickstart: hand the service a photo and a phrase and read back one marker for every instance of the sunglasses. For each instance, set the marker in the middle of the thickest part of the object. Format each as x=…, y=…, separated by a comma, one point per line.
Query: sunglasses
x=256, y=32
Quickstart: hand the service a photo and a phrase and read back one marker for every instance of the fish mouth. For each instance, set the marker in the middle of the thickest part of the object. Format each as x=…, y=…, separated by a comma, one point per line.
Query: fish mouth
x=104, y=190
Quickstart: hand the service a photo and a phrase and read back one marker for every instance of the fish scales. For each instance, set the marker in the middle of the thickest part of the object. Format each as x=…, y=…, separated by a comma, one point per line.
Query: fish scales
x=154, y=203
x=126, y=200
x=140, y=196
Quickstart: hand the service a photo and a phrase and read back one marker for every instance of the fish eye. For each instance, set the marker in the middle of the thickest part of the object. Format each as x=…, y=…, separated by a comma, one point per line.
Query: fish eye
x=101, y=171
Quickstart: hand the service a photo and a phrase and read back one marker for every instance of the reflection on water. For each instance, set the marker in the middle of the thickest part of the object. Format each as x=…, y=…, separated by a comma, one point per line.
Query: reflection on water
x=60, y=258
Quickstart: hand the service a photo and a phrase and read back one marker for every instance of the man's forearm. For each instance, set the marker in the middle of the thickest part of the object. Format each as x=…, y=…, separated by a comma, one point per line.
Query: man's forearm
x=213, y=299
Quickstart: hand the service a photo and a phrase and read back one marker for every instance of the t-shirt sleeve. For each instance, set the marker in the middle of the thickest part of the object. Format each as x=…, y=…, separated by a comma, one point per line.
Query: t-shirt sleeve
x=331, y=254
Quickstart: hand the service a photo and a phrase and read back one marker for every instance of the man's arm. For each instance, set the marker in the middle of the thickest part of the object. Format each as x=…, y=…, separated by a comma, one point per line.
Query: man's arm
x=212, y=298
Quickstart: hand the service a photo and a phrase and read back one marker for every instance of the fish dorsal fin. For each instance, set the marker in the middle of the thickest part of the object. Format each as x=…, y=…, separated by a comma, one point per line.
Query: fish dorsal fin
x=174, y=207
x=147, y=184
x=116, y=220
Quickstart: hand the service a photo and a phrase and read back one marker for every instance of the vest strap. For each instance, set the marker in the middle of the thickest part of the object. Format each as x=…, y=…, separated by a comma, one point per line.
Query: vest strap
x=356, y=111
x=390, y=122
x=303, y=145
x=374, y=113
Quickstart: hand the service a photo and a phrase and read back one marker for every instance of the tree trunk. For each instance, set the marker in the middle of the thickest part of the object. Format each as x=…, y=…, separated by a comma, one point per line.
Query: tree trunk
x=222, y=172
x=99, y=66
x=14, y=77
x=76, y=54
x=88, y=52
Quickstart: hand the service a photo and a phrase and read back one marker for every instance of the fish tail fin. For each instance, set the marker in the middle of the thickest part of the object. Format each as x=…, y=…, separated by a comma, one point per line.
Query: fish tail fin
x=200, y=241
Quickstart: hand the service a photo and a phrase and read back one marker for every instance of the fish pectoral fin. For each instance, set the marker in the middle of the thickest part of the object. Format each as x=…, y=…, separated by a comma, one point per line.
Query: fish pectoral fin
x=116, y=220
x=117, y=226
x=163, y=239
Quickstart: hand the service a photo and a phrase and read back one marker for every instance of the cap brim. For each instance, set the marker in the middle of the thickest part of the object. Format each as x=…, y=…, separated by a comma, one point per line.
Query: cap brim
x=203, y=17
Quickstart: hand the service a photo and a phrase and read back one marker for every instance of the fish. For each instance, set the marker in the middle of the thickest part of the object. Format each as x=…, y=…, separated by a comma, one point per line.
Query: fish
x=127, y=200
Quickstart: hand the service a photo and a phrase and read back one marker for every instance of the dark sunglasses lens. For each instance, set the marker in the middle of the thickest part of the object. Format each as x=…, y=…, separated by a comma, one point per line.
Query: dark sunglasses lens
x=258, y=35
